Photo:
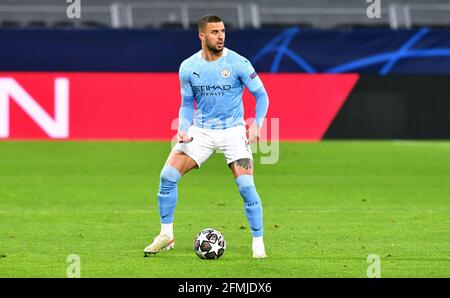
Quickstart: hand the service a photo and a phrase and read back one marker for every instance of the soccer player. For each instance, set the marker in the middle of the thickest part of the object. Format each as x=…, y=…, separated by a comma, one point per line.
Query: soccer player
x=214, y=78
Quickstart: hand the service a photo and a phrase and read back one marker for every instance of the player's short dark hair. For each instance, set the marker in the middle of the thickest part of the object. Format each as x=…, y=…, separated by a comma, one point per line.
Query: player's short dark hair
x=209, y=18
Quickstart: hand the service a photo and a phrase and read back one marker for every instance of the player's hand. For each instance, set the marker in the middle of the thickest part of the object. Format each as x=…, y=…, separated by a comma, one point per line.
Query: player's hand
x=253, y=133
x=182, y=137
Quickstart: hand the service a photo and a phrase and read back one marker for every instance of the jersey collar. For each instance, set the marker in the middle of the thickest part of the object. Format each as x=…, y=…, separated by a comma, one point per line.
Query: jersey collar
x=225, y=52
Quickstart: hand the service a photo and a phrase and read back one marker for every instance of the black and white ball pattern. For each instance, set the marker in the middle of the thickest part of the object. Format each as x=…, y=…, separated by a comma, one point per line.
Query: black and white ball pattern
x=209, y=244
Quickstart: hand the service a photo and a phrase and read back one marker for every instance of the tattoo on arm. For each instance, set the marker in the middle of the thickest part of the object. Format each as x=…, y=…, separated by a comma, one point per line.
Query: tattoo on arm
x=245, y=163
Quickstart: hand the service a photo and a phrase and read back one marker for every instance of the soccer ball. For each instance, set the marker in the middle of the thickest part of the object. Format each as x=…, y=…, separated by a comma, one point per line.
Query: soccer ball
x=209, y=244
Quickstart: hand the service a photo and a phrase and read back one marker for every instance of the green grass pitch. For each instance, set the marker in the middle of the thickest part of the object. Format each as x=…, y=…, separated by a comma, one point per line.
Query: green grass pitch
x=327, y=206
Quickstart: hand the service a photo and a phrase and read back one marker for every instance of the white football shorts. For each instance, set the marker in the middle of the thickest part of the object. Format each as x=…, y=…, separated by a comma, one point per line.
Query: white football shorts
x=231, y=141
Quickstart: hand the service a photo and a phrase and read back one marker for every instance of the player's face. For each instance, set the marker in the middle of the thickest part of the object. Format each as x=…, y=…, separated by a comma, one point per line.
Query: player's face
x=213, y=36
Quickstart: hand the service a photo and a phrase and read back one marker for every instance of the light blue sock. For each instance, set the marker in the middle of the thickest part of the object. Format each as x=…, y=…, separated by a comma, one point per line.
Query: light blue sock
x=168, y=193
x=252, y=201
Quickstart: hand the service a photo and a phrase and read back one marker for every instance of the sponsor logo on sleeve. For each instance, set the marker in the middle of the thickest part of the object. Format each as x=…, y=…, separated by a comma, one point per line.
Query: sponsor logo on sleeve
x=253, y=75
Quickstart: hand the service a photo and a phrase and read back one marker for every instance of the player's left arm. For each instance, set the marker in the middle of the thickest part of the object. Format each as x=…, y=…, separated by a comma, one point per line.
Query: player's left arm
x=254, y=84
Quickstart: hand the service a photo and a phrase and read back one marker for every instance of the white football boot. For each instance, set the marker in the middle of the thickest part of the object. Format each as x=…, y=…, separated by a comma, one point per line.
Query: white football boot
x=159, y=243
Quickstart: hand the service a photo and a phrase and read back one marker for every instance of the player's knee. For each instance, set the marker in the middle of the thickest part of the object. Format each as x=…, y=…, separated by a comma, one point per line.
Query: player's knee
x=243, y=163
x=169, y=177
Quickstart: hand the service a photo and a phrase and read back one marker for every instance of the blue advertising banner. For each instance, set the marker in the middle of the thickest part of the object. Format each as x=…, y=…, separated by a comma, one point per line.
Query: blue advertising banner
x=367, y=51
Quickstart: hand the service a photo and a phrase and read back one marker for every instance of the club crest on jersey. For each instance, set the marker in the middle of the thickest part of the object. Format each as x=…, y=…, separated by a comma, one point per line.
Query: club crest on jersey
x=225, y=73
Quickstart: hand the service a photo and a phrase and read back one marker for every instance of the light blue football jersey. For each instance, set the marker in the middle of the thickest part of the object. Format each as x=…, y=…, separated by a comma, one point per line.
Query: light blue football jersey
x=217, y=87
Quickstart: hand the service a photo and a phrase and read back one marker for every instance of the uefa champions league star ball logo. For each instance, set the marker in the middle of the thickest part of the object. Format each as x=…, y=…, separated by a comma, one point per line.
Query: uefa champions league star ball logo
x=225, y=73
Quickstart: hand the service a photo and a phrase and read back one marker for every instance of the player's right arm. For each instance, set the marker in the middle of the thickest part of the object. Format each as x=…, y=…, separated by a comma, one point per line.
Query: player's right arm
x=186, y=113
